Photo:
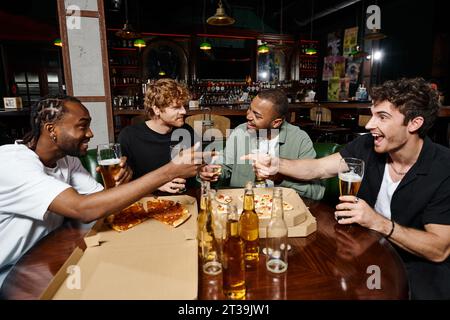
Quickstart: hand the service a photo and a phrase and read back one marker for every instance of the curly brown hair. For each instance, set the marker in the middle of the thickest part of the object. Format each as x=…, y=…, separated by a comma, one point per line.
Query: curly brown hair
x=162, y=94
x=413, y=98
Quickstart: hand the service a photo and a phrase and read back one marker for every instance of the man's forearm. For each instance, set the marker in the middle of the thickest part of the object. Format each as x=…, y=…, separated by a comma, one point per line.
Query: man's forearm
x=421, y=243
x=310, y=169
x=301, y=169
x=112, y=200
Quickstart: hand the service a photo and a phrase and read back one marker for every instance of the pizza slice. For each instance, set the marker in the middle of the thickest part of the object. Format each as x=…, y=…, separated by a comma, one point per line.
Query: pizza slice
x=167, y=211
x=128, y=217
x=223, y=198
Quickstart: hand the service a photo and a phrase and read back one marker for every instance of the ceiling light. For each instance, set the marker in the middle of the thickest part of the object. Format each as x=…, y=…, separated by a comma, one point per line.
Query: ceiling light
x=127, y=32
x=57, y=42
x=377, y=55
x=263, y=48
x=310, y=51
x=220, y=18
x=375, y=34
x=205, y=45
x=139, y=43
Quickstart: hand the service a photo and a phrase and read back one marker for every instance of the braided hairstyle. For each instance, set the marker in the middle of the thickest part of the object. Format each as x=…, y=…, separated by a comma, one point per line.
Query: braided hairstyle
x=48, y=109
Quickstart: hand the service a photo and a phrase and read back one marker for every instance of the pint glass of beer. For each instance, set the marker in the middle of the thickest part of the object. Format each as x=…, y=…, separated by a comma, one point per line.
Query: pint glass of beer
x=108, y=157
x=351, y=172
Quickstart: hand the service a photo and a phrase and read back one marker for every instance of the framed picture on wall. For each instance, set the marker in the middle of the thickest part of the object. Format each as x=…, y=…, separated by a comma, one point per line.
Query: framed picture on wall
x=12, y=102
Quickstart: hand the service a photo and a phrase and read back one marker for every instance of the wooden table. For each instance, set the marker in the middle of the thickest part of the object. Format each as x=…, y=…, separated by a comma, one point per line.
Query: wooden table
x=332, y=263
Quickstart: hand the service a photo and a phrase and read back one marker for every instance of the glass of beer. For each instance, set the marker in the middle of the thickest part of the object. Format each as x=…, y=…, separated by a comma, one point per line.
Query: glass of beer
x=259, y=181
x=351, y=172
x=108, y=157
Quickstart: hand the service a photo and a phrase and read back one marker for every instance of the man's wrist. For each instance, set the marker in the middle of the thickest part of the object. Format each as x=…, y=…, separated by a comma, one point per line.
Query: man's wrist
x=391, y=231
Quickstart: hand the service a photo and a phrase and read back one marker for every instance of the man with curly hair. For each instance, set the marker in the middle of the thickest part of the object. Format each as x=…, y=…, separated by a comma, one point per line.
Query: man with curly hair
x=147, y=144
x=405, y=193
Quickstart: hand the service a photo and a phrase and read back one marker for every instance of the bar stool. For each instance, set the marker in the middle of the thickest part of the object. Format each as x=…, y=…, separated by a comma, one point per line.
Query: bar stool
x=202, y=123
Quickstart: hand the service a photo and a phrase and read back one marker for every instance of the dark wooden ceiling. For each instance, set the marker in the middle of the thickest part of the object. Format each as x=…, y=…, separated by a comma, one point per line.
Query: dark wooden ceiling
x=257, y=15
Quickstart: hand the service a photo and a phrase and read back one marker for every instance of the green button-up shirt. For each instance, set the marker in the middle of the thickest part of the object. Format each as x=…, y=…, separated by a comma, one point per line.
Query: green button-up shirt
x=293, y=143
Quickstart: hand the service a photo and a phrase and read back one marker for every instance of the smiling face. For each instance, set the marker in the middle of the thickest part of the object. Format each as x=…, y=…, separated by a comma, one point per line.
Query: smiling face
x=73, y=130
x=388, y=128
x=262, y=115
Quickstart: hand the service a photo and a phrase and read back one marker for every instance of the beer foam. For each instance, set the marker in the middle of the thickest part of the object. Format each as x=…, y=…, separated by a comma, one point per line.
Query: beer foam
x=350, y=177
x=109, y=162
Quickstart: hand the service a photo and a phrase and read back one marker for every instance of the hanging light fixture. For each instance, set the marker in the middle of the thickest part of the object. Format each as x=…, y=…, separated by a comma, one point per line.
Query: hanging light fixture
x=311, y=50
x=205, y=46
x=127, y=32
x=375, y=34
x=281, y=45
x=220, y=18
x=57, y=42
x=139, y=43
x=263, y=48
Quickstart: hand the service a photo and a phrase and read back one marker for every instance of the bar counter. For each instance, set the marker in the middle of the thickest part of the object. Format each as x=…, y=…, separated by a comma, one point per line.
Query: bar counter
x=444, y=111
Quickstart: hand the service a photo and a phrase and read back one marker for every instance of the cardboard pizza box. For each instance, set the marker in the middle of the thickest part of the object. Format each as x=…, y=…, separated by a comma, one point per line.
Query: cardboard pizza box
x=149, y=261
x=299, y=220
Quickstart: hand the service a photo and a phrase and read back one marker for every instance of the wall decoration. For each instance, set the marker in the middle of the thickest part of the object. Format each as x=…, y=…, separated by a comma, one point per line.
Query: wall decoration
x=333, y=66
x=334, y=44
x=350, y=40
x=344, y=86
x=352, y=71
x=333, y=89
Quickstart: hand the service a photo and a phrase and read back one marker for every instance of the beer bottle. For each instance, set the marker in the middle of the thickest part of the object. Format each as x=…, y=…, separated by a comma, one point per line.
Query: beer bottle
x=233, y=258
x=249, y=227
x=201, y=219
x=209, y=246
x=276, y=236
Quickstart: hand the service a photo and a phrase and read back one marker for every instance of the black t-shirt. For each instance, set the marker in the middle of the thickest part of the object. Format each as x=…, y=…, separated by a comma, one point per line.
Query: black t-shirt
x=148, y=150
x=422, y=197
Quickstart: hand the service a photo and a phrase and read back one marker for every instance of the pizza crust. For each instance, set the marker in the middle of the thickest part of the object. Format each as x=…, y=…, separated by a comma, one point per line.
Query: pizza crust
x=166, y=211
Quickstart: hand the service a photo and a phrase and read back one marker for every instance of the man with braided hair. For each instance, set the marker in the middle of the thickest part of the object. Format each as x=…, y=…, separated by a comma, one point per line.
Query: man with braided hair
x=42, y=180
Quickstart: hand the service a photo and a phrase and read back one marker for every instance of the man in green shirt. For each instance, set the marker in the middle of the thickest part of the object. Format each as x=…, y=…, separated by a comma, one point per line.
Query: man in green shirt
x=265, y=131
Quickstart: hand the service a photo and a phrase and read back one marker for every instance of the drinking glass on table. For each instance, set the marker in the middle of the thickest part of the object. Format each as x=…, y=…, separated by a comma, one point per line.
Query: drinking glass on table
x=259, y=181
x=351, y=173
x=108, y=158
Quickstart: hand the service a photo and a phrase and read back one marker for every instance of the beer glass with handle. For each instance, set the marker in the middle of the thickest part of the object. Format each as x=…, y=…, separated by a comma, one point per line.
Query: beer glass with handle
x=351, y=173
x=108, y=158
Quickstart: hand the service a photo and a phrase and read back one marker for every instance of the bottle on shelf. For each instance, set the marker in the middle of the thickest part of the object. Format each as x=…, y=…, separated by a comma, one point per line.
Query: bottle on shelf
x=249, y=227
x=277, y=236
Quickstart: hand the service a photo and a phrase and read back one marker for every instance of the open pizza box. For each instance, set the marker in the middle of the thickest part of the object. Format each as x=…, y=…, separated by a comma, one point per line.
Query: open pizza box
x=152, y=260
x=299, y=219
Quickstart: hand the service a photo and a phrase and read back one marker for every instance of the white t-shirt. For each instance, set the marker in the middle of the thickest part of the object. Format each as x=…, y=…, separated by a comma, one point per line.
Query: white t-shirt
x=27, y=188
x=387, y=189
